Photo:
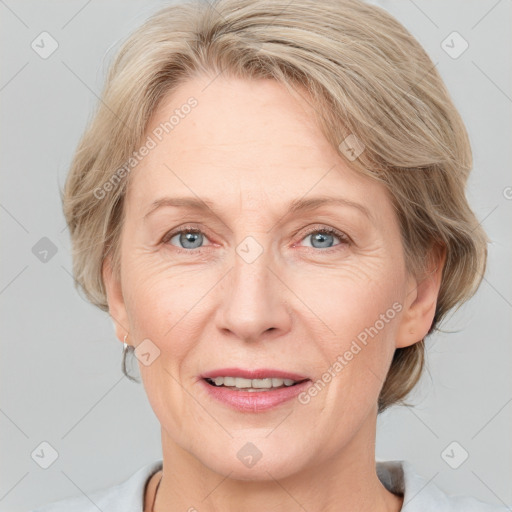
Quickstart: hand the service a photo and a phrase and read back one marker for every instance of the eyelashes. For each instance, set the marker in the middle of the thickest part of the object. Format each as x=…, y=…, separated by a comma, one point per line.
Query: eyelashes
x=329, y=231
x=199, y=236
x=169, y=236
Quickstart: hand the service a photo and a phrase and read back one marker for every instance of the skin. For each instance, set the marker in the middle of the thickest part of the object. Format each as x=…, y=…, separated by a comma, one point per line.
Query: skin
x=251, y=148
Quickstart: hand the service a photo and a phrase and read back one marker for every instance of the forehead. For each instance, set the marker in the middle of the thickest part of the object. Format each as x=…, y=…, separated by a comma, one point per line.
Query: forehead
x=248, y=138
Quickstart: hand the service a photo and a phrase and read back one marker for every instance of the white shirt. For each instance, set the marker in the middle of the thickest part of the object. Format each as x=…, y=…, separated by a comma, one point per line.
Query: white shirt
x=397, y=476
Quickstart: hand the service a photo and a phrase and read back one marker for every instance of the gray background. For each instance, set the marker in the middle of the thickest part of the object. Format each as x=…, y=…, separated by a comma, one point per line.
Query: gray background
x=60, y=361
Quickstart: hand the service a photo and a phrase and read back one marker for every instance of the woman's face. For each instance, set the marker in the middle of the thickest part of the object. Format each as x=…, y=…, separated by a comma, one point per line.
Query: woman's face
x=251, y=284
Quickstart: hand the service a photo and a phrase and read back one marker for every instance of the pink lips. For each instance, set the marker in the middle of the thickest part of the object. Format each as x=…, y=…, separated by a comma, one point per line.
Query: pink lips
x=254, y=401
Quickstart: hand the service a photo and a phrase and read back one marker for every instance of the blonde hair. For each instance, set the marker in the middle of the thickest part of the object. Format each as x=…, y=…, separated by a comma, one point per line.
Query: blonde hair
x=367, y=78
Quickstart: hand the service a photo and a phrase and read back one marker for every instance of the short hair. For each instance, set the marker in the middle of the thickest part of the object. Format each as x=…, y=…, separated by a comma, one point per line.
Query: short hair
x=367, y=77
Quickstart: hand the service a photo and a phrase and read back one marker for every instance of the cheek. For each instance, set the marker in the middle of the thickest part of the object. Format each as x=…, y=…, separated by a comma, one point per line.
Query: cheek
x=357, y=316
x=160, y=304
x=349, y=298
x=355, y=360
x=159, y=295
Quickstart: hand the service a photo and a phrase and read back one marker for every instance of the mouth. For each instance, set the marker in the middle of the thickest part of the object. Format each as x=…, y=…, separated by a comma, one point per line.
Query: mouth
x=253, y=390
x=259, y=379
x=252, y=385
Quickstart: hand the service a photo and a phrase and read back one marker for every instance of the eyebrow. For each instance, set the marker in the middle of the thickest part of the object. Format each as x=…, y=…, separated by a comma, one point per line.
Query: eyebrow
x=295, y=206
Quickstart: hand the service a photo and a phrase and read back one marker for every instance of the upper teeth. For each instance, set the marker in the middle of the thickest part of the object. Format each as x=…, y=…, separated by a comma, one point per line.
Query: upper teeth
x=240, y=382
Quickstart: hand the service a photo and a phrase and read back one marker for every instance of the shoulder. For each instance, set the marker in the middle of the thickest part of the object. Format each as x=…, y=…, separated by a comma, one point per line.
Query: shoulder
x=128, y=496
x=421, y=495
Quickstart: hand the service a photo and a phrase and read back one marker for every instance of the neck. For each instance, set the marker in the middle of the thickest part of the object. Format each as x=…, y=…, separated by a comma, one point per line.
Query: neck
x=344, y=481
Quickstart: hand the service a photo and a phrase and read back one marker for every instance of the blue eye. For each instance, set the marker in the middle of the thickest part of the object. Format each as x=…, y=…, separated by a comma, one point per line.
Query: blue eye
x=188, y=238
x=323, y=237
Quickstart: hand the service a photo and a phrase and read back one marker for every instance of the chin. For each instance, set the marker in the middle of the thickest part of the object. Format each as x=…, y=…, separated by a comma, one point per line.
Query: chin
x=254, y=460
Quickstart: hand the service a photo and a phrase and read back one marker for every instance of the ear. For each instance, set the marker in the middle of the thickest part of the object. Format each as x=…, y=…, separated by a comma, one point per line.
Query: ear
x=421, y=300
x=116, y=305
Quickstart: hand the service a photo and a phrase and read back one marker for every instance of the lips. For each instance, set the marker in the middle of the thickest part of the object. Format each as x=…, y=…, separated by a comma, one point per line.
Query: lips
x=257, y=401
x=258, y=373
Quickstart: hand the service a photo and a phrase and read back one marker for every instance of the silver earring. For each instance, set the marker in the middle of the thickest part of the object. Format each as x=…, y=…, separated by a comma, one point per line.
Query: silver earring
x=126, y=349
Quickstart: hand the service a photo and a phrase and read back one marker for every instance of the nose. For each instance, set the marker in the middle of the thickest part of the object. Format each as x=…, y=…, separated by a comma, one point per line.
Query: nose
x=253, y=304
